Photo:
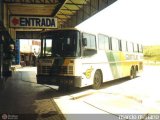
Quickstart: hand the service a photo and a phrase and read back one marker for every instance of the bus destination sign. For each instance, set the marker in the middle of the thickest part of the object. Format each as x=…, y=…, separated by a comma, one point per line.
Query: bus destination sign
x=33, y=22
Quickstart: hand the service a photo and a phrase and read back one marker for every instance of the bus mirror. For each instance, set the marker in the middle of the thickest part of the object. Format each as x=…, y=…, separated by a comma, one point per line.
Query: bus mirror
x=84, y=41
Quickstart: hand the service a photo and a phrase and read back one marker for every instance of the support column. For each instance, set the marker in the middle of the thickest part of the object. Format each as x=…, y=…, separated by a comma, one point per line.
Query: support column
x=1, y=58
x=6, y=16
x=17, y=51
x=1, y=10
x=1, y=45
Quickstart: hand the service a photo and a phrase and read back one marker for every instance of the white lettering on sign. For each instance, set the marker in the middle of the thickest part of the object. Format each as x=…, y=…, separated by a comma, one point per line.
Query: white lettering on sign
x=33, y=22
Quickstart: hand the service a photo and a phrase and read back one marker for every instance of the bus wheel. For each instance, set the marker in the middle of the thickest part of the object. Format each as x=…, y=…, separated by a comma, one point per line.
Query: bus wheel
x=97, y=80
x=134, y=73
x=131, y=73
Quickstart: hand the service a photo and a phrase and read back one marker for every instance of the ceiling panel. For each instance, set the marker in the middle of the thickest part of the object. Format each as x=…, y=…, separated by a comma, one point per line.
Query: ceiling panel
x=69, y=9
x=42, y=10
x=64, y=10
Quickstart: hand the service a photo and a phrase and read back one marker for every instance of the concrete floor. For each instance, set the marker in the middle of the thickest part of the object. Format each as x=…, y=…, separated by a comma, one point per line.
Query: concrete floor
x=138, y=99
x=27, y=100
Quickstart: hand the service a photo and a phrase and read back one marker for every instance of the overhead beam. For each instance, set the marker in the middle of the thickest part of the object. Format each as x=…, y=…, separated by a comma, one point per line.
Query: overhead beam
x=61, y=19
x=87, y=10
x=67, y=16
x=64, y=14
x=79, y=6
x=32, y=1
x=69, y=9
x=74, y=4
x=30, y=5
x=58, y=7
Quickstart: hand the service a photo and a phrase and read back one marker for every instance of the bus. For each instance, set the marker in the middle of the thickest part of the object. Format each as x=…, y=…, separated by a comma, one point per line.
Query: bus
x=73, y=58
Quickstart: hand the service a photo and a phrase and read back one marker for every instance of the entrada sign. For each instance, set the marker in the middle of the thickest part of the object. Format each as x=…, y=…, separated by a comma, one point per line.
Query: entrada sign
x=33, y=22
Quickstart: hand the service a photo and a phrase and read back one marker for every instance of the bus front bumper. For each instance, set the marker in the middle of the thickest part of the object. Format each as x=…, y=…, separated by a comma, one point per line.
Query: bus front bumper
x=73, y=81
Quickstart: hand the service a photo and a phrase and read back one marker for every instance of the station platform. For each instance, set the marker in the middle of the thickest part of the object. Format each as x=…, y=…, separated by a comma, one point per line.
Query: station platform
x=24, y=99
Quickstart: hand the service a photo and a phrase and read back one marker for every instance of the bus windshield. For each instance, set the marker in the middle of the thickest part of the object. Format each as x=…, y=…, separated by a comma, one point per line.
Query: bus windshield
x=60, y=43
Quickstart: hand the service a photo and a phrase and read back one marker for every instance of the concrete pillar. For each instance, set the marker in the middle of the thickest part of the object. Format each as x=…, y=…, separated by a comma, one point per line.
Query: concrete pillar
x=1, y=45
x=6, y=16
x=1, y=10
x=17, y=51
x=1, y=59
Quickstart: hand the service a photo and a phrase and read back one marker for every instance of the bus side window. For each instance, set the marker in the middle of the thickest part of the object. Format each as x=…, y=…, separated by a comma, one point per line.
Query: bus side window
x=124, y=45
x=106, y=42
x=140, y=48
x=130, y=46
x=103, y=42
x=91, y=41
x=115, y=44
x=120, y=45
x=90, y=48
x=136, y=47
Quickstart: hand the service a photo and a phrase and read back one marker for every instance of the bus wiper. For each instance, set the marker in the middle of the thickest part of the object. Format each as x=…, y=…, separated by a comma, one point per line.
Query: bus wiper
x=57, y=55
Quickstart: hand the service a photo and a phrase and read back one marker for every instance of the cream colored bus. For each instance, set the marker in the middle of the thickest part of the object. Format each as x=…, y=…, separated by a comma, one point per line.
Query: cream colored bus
x=73, y=58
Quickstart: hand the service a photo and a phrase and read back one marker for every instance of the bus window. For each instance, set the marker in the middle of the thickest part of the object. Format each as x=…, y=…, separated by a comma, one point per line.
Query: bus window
x=140, y=48
x=106, y=42
x=91, y=41
x=47, y=47
x=135, y=47
x=115, y=44
x=124, y=45
x=103, y=42
x=130, y=46
x=120, y=45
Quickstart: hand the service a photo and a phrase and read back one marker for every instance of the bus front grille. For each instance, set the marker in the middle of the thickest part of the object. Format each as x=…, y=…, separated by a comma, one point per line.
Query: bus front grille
x=70, y=70
x=44, y=69
x=55, y=70
x=65, y=69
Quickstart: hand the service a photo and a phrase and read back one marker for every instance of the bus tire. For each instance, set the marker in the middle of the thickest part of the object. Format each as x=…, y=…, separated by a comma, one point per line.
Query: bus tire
x=131, y=73
x=134, y=72
x=97, y=81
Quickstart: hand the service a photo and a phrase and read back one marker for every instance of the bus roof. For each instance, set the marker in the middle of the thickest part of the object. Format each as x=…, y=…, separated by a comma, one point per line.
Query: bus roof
x=59, y=29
